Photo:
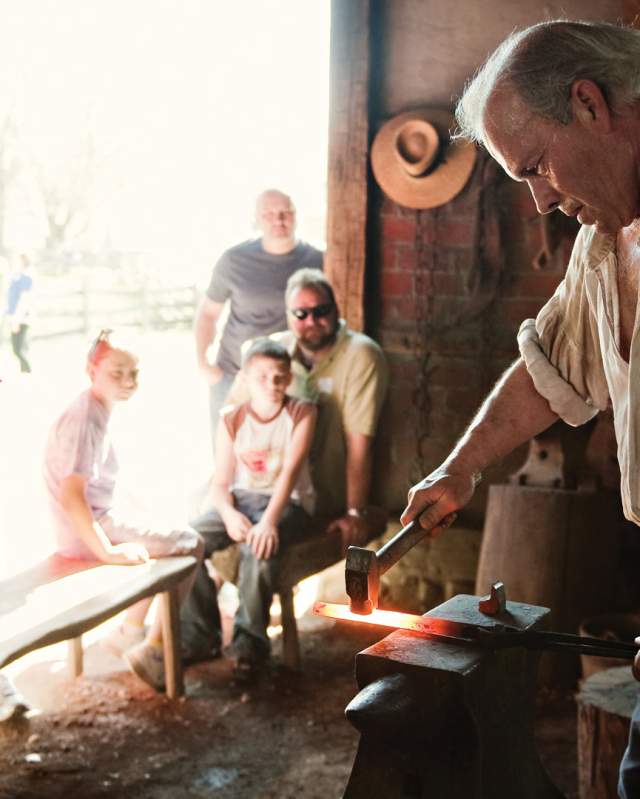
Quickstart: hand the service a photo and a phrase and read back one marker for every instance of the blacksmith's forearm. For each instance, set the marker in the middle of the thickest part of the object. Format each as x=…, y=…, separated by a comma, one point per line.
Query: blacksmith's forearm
x=513, y=413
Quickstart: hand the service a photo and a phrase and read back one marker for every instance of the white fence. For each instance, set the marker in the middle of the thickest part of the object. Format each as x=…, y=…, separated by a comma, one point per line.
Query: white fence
x=84, y=310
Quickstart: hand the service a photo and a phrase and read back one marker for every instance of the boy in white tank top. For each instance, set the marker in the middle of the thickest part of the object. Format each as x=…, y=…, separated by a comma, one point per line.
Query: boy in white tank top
x=262, y=496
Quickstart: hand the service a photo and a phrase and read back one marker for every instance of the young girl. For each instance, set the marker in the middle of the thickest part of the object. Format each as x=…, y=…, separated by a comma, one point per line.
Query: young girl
x=80, y=473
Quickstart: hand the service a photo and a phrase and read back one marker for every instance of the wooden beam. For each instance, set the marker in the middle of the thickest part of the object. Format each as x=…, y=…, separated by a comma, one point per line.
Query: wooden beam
x=348, y=152
x=171, y=643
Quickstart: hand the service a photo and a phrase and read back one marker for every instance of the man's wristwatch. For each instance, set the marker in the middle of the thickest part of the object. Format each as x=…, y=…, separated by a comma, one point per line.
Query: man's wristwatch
x=358, y=513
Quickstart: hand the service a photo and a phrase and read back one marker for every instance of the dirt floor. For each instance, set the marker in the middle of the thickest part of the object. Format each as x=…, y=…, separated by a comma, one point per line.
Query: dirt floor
x=108, y=735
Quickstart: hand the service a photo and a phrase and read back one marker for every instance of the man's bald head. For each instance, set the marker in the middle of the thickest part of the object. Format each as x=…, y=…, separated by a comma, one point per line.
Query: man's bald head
x=268, y=195
x=276, y=219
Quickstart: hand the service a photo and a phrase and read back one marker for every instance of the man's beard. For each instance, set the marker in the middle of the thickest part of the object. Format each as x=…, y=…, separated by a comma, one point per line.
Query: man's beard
x=318, y=343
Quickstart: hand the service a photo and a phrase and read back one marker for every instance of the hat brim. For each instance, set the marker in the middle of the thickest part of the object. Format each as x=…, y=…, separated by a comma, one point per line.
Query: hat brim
x=437, y=187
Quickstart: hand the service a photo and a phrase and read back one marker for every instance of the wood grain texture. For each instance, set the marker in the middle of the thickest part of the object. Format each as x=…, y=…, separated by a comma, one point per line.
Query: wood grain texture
x=348, y=152
x=174, y=680
x=60, y=599
x=555, y=548
x=605, y=705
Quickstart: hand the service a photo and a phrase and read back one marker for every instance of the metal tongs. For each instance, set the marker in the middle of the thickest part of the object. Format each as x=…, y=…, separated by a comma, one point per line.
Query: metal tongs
x=565, y=642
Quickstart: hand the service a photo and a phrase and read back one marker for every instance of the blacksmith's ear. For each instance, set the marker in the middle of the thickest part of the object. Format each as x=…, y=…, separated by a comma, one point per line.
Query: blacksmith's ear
x=589, y=105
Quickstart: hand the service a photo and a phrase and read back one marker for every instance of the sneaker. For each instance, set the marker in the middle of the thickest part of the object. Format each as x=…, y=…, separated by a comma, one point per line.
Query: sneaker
x=192, y=656
x=122, y=638
x=12, y=705
x=147, y=662
x=247, y=656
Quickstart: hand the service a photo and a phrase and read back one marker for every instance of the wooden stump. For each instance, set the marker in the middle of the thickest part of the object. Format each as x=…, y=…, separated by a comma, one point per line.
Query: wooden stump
x=605, y=704
x=555, y=548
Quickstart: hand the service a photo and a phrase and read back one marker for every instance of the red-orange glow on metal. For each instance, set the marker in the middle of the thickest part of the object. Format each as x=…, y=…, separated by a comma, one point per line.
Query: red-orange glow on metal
x=382, y=618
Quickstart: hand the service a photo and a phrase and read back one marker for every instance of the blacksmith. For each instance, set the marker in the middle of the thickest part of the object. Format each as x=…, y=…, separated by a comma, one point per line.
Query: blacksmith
x=558, y=106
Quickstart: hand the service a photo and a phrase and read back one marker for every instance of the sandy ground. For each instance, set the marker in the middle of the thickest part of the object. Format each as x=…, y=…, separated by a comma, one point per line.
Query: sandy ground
x=108, y=735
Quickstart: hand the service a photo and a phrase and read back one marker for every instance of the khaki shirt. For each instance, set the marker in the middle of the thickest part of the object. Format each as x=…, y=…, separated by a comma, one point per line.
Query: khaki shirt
x=572, y=353
x=349, y=385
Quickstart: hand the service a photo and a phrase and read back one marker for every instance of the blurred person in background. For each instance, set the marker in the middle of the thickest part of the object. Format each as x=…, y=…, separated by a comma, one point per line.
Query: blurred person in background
x=18, y=309
x=252, y=277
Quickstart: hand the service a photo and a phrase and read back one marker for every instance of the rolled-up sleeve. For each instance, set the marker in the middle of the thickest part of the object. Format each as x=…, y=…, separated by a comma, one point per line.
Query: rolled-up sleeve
x=561, y=348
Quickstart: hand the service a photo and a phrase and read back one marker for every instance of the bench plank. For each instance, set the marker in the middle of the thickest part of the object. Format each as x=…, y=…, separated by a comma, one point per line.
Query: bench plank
x=60, y=599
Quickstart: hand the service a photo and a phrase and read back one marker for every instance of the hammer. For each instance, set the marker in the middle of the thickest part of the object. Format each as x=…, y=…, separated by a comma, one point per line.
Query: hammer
x=365, y=567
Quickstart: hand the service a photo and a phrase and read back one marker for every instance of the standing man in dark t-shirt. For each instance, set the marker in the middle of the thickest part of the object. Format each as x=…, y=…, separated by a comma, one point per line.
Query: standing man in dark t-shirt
x=252, y=277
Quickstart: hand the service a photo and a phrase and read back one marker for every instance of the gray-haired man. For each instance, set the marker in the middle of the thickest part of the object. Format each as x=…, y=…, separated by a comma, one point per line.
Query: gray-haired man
x=558, y=106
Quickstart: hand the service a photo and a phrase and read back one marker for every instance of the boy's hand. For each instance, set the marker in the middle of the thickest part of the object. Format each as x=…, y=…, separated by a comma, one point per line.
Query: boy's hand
x=129, y=554
x=237, y=524
x=263, y=539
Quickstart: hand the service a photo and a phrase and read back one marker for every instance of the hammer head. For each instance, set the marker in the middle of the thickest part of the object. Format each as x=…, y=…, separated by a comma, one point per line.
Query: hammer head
x=362, y=580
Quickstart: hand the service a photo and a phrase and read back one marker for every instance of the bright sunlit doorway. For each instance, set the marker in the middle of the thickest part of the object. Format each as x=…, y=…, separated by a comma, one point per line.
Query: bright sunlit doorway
x=134, y=137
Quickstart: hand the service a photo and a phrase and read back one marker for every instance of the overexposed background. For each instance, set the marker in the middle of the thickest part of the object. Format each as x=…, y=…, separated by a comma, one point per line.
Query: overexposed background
x=134, y=138
x=158, y=121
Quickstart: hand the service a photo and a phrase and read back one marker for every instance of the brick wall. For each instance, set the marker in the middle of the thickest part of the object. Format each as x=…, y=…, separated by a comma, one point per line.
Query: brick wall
x=446, y=343
x=422, y=52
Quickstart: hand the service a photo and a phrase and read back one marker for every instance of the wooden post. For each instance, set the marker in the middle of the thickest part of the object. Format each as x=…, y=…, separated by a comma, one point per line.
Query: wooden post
x=171, y=643
x=290, y=644
x=75, y=656
x=348, y=152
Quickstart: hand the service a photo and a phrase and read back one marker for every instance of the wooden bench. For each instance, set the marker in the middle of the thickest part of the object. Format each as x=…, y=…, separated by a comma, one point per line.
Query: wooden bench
x=60, y=599
x=318, y=551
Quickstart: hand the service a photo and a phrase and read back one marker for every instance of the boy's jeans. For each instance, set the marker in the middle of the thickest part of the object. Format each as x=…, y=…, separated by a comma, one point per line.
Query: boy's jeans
x=200, y=618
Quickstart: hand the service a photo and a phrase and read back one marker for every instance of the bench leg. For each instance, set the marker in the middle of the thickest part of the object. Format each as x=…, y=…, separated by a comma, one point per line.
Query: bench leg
x=290, y=645
x=171, y=643
x=74, y=656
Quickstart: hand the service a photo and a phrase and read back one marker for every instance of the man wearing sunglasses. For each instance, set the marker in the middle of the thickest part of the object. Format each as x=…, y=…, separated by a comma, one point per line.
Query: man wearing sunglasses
x=250, y=278
x=346, y=373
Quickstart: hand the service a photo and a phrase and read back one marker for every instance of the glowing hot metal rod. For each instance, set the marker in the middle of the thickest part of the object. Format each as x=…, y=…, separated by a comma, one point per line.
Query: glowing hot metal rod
x=364, y=567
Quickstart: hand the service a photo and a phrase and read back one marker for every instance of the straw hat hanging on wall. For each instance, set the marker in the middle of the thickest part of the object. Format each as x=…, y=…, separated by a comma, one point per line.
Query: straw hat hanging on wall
x=414, y=161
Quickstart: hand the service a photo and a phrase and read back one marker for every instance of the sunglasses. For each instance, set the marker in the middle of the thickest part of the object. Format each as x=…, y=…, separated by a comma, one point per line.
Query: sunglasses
x=318, y=311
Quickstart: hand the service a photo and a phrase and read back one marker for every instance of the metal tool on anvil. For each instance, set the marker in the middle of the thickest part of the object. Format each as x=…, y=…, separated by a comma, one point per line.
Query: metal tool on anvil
x=499, y=631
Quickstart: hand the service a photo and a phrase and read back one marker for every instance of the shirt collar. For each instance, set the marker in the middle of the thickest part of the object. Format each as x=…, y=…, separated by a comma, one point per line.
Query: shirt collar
x=597, y=246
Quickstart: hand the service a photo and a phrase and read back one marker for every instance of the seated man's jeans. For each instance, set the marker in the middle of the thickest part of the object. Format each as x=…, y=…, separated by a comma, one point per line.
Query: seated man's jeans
x=629, y=784
x=200, y=617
